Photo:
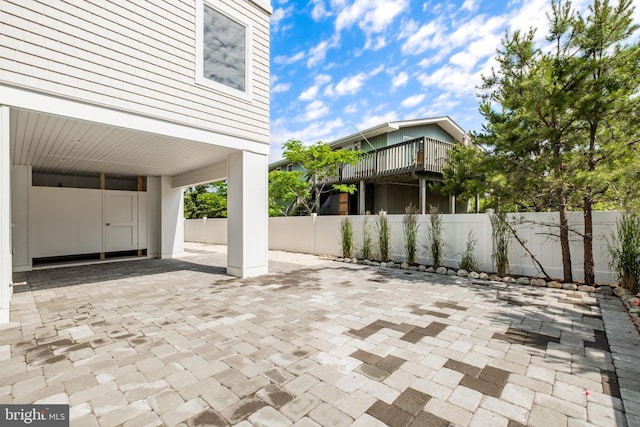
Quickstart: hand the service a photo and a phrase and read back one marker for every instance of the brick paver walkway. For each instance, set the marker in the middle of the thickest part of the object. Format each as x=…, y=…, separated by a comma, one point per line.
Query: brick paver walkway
x=176, y=342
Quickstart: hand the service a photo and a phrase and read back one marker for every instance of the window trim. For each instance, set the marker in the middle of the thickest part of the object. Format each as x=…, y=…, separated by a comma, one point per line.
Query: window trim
x=225, y=10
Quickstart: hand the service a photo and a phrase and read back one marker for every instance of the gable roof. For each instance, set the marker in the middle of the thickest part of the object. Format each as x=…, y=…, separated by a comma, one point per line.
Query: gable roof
x=444, y=122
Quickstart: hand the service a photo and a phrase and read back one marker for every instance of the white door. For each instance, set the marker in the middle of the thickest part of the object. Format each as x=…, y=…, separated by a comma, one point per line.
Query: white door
x=121, y=221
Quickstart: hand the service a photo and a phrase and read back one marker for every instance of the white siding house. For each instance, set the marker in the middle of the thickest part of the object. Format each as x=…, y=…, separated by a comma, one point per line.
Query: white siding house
x=109, y=108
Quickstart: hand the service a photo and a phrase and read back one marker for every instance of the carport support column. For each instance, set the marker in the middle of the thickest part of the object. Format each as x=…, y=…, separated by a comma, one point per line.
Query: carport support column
x=5, y=215
x=171, y=219
x=247, y=223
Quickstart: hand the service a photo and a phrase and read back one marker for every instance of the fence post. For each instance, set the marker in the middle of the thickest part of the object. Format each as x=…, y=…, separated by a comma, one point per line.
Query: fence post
x=314, y=232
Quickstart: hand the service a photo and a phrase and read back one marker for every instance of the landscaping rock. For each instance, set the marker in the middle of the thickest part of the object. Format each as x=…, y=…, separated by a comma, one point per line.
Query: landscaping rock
x=586, y=288
x=523, y=281
x=451, y=272
x=430, y=270
x=354, y=260
x=413, y=268
x=508, y=279
x=474, y=275
x=621, y=292
x=604, y=290
x=539, y=282
x=404, y=266
x=483, y=276
x=555, y=285
x=340, y=259
x=495, y=278
x=569, y=286
x=441, y=270
x=462, y=273
x=422, y=268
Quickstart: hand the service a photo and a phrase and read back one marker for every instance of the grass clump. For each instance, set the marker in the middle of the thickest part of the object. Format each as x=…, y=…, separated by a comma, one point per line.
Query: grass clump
x=500, y=233
x=367, y=239
x=468, y=261
x=346, y=232
x=410, y=227
x=625, y=251
x=384, y=236
x=435, y=235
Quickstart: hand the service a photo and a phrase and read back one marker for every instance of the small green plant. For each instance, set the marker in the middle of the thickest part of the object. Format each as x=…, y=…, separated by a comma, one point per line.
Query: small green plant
x=384, y=236
x=434, y=233
x=625, y=251
x=367, y=240
x=468, y=261
x=346, y=231
x=501, y=242
x=410, y=227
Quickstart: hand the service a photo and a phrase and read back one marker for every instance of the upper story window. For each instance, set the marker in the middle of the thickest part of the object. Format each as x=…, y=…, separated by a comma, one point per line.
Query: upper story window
x=222, y=49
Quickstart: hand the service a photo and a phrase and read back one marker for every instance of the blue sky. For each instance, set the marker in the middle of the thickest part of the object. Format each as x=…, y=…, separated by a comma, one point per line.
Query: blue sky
x=340, y=63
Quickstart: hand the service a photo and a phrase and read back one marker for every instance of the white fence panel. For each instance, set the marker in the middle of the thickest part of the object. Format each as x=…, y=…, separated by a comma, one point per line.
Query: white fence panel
x=293, y=234
x=320, y=235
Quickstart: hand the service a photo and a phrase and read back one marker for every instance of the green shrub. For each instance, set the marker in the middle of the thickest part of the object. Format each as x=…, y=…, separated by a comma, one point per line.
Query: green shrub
x=468, y=261
x=434, y=233
x=346, y=231
x=501, y=242
x=625, y=251
x=384, y=237
x=367, y=241
x=410, y=227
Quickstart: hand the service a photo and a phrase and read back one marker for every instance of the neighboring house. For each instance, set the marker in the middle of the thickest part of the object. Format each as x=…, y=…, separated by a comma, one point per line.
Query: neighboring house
x=109, y=109
x=401, y=158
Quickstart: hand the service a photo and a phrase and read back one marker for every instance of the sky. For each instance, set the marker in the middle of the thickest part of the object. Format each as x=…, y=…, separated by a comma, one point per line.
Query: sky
x=339, y=66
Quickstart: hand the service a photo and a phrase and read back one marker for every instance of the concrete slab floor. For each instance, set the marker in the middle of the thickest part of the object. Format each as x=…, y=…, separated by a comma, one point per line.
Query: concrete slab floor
x=177, y=342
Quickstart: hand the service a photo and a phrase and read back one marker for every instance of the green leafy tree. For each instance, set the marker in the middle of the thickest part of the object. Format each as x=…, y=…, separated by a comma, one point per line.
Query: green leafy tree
x=288, y=191
x=320, y=164
x=208, y=200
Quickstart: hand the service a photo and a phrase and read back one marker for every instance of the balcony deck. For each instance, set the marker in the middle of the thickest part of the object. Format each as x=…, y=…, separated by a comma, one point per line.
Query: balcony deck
x=421, y=156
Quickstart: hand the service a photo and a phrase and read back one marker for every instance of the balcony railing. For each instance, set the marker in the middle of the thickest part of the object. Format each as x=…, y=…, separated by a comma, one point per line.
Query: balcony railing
x=417, y=155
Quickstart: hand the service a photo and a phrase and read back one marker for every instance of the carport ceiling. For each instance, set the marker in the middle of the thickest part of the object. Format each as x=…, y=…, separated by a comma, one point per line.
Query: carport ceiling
x=54, y=144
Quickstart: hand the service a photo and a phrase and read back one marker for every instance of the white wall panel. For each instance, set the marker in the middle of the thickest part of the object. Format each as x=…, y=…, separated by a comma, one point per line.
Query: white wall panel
x=65, y=221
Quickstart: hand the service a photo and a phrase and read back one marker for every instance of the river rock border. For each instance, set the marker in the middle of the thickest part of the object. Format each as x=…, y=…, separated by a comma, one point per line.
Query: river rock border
x=630, y=301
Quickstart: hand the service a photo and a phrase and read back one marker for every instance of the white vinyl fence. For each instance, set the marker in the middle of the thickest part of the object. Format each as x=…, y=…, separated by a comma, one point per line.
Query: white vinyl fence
x=320, y=235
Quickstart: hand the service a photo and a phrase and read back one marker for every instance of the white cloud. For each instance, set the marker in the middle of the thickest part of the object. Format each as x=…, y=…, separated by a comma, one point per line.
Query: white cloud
x=422, y=39
x=451, y=79
x=469, y=5
x=412, y=101
x=317, y=54
x=314, y=111
x=349, y=85
x=281, y=87
x=288, y=60
x=278, y=16
x=312, y=92
x=372, y=16
x=373, y=120
x=400, y=80
x=319, y=10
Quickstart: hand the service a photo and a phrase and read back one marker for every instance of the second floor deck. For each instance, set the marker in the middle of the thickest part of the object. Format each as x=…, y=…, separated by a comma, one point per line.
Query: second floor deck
x=420, y=156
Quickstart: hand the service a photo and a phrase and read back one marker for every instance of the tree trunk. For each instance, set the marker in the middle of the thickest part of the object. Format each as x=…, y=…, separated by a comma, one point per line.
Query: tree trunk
x=564, y=242
x=589, y=273
x=567, y=274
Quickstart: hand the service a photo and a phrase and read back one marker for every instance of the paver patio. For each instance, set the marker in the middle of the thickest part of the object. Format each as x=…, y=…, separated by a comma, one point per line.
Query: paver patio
x=176, y=342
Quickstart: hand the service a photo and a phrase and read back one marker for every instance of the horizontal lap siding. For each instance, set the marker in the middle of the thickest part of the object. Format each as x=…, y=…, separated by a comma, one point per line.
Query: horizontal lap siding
x=133, y=55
